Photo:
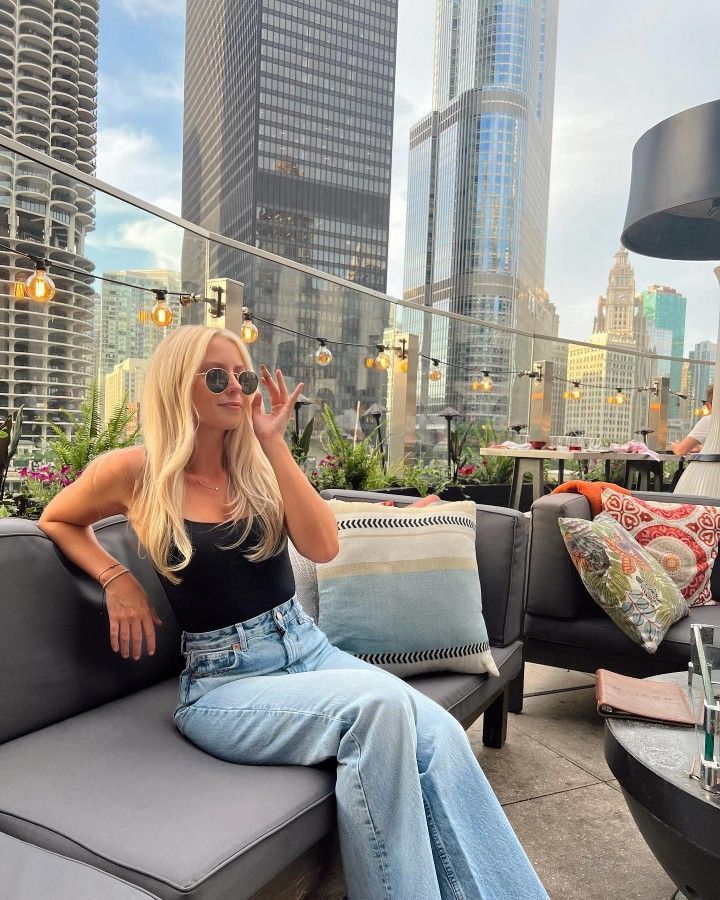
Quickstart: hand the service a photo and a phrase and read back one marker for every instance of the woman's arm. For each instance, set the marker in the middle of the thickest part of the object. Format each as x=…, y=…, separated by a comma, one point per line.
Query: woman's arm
x=309, y=520
x=686, y=445
x=104, y=489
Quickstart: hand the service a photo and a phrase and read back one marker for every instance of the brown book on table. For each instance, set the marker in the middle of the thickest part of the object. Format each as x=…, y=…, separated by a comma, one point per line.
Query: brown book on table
x=640, y=698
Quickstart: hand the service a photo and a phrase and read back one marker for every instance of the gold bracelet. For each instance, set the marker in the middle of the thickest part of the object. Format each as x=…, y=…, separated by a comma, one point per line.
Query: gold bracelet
x=113, y=577
x=109, y=568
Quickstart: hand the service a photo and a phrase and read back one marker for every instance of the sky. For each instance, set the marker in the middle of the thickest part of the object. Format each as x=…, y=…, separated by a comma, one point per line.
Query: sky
x=621, y=68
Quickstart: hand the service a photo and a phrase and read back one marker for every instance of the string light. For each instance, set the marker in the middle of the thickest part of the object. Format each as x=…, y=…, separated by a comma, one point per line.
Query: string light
x=144, y=316
x=435, y=374
x=248, y=331
x=618, y=398
x=161, y=314
x=369, y=361
x=703, y=410
x=19, y=287
x=323, y=356
x=574, y=393
x=39, y=286
x=382, y=360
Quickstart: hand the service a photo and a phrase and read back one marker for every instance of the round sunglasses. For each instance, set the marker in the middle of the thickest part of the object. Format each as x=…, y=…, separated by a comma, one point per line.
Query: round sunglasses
x=217, y=380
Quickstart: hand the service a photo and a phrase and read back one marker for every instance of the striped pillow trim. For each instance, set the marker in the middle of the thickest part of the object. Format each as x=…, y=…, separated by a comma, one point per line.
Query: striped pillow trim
x=354, y=523
x=414, y=656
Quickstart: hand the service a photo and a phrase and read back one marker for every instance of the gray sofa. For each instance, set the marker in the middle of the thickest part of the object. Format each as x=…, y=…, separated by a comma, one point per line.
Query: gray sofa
x=97, y=787
x=564, y=627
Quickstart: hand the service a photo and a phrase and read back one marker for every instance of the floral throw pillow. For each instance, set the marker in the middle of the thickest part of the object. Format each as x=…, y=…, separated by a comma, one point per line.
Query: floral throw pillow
x=623, y=579
x=682, y=537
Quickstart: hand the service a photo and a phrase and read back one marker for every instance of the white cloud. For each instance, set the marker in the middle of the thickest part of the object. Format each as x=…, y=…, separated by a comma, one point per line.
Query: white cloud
x=143, y=9
x=138, y=162
x=137, y=90
x=162, y=240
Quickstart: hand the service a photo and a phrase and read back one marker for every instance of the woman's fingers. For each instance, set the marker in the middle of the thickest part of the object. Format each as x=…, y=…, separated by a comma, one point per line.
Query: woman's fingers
x=115, y=635
x=125, y=639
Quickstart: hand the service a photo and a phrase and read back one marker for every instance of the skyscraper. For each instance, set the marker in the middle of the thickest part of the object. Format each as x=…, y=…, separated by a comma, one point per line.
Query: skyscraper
x=48, y=88
x=701, y=377
x=618, y=322
x=287, y=146
x=664, y=309
x=478, y=181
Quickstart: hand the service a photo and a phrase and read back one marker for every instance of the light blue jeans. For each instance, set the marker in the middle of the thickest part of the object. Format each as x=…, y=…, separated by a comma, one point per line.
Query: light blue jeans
x=417, y=818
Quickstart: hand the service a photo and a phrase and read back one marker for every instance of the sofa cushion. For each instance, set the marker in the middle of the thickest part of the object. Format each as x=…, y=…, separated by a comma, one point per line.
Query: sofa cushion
x=598, y=633
x=682, y=537
x=55, y=654
x=33, y=873
x=404, y=590
x=120, y=789
x=623, y=579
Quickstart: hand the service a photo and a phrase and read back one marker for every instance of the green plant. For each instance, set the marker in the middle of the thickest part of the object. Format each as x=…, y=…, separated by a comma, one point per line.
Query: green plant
x=10, y=431
x=87, y=440
x=456, y=452
x=357, y=466
x=300, y=443
x=426, y=478
x=486, y=469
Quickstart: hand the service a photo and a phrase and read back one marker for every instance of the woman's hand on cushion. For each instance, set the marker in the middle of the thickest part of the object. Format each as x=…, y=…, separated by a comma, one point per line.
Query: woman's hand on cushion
x=271, y=425
x=131, y=614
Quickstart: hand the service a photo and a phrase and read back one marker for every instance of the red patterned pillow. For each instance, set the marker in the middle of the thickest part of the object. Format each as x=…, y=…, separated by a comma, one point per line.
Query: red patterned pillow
x=683, y=538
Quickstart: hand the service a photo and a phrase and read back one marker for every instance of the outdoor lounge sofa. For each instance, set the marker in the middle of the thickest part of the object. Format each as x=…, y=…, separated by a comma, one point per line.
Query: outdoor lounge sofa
x=97, y=787
x=564, y=627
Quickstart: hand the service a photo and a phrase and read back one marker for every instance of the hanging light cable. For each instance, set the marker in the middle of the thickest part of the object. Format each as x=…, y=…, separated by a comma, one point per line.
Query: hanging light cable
x=323, y=356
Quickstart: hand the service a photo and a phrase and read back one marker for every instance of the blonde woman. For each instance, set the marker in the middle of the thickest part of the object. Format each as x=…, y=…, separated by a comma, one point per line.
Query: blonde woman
x=212, y=496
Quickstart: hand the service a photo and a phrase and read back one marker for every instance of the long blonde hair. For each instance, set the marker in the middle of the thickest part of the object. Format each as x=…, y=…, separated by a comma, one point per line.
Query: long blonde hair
x=169, y=422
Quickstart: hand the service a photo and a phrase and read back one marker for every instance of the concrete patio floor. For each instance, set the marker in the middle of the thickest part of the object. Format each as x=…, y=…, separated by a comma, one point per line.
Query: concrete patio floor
x=561, y=798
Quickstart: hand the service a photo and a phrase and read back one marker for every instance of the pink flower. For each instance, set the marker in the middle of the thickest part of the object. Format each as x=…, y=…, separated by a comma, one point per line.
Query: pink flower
x=64, y=470
x=466, y=470
x=23, y=472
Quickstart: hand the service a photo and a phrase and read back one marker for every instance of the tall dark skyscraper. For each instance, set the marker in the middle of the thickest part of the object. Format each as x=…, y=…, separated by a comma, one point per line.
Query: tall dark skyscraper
x=478, y=182
x=287, y=146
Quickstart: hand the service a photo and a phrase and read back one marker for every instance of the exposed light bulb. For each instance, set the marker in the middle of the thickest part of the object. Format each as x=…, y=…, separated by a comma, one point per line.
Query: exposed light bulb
x=486, y=383
x=435, y=374
x=403, y=364
x=474, y=385
x=19, y=288
x=369, y=361
x=40, y=287
x=143, y=316
x=575, y=393
x=161, y=314
x=382, y=360
x=248, y=330
x=323, y=356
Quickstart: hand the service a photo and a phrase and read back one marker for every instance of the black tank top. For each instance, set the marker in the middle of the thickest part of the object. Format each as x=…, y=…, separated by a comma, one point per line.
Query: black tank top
x=221, y=587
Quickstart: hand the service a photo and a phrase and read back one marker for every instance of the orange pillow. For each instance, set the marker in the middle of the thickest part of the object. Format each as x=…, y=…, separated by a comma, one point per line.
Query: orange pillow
x=423, y=501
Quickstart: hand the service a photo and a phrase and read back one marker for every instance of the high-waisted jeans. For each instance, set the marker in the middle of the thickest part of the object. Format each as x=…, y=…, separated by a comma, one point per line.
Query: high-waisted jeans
x=416, y=816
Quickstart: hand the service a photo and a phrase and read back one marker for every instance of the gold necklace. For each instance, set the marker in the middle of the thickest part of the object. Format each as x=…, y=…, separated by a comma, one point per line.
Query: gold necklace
x=207, y=487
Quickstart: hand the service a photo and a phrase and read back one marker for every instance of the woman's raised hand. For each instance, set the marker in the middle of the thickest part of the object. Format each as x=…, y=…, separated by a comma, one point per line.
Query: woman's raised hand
x=271, y=425
x=131, y=615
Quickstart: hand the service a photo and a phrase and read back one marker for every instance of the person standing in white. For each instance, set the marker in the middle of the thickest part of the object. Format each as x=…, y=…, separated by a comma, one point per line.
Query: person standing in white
x=694, y=441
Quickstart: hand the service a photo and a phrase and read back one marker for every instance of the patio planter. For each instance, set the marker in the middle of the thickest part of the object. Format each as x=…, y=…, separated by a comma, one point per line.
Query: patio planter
x=497, y=494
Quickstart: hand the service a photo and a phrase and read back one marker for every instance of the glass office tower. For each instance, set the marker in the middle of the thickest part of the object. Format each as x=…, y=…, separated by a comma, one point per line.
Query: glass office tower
x=478, y=185
x=664, y=308
x=287, y=146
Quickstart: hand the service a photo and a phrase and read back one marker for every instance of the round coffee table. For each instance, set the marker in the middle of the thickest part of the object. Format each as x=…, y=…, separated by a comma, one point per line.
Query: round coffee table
x=679, y=820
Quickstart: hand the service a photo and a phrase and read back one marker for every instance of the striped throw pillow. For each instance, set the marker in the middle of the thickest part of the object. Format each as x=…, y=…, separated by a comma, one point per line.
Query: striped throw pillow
x=404, y=590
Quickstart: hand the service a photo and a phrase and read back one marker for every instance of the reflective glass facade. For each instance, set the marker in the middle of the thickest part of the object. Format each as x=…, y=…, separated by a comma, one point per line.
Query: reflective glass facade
x=664, y=309
x=287, y=146
x=486, y=225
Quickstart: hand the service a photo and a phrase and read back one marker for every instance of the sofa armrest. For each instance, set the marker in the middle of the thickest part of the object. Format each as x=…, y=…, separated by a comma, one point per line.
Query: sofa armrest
x=500, y=548
x=554, y=587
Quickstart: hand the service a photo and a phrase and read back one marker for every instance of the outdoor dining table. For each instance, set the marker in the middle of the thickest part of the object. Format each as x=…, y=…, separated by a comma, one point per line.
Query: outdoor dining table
x=531, y=462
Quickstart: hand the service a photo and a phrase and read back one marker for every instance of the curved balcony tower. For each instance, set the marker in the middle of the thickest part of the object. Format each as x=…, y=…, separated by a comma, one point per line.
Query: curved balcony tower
x=48, y=101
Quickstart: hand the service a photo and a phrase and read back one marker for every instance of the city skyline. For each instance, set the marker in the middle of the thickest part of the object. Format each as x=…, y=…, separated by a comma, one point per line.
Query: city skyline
x=598, y=120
